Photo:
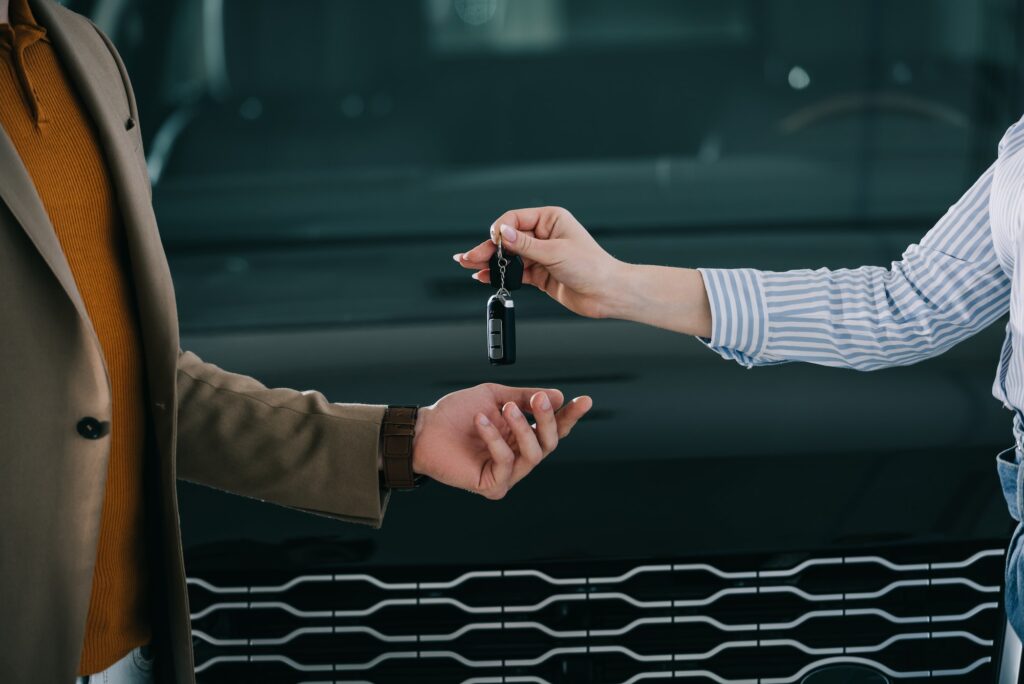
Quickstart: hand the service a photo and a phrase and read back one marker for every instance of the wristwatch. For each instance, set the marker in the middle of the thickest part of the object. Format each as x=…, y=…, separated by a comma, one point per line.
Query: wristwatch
x=396, y=435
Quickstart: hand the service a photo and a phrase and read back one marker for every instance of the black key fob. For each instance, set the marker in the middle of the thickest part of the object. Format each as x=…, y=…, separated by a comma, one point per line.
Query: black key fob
x=513, y=271
x=501, y=330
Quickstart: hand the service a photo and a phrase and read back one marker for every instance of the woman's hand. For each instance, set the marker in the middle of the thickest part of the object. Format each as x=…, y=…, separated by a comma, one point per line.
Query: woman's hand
x=560, y=258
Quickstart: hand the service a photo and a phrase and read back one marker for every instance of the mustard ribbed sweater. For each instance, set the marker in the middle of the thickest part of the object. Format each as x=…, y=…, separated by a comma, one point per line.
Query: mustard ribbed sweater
x=57, y=142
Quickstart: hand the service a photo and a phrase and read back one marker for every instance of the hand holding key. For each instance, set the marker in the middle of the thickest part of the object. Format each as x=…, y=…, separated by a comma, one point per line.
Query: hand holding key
x=560, y=258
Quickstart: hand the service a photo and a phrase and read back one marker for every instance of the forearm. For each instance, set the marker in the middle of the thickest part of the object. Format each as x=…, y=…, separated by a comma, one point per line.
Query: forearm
x=293, y=448
x=661, y=296
x=864, y=318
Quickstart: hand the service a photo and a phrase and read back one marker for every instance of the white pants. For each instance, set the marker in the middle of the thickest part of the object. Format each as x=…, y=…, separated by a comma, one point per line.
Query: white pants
x=134, y=668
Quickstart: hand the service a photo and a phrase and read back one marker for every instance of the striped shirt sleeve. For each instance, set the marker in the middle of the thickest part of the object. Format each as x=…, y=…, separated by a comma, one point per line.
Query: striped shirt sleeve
x=943, y=290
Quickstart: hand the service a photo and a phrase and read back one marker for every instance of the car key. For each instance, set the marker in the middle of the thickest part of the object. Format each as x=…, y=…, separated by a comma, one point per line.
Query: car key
x=501, y=330
x=501, y=312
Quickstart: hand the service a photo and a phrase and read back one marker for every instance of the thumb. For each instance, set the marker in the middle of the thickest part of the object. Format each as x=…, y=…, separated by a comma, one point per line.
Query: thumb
x=528, y=245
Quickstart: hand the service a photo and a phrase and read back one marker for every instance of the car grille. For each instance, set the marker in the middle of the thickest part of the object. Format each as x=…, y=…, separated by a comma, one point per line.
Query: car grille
x=924, y=612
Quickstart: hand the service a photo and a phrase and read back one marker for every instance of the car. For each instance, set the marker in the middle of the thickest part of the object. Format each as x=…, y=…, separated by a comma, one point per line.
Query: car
x=315, y=165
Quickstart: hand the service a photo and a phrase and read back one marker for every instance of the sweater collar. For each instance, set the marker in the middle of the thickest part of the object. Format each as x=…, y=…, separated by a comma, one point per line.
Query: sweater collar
x=21, y=14
x=23, y=27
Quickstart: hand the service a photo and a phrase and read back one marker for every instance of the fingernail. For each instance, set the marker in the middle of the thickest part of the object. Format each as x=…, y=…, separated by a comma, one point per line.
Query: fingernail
x=482, y=419
x=492, y=232
x=475, y=276
x=508, y=232
x=512, y=410
x=545, y=403
x=456, y=257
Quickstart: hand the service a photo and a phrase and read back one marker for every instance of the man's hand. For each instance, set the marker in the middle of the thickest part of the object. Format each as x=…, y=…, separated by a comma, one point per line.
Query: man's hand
x=479, y=439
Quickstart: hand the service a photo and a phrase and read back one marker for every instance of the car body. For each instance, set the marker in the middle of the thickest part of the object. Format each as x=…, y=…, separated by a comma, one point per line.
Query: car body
x=315, y=166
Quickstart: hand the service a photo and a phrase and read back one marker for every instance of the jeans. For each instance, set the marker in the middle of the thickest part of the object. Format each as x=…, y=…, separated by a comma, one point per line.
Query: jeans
x=134, y=668
x=1010, y=474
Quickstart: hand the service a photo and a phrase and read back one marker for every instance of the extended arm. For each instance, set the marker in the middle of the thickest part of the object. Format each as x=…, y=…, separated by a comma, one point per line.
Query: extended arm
x=300, y=450
x=943, y=290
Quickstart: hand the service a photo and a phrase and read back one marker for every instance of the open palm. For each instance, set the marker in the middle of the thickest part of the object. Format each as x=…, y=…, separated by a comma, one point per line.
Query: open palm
x=479, y=439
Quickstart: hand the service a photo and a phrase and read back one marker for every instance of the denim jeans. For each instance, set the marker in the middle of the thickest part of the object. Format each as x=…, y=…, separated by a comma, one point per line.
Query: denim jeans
x=1010, y=474
x=134, y=668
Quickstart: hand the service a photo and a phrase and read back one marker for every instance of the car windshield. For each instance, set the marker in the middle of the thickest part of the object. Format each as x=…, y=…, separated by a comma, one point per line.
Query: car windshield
x=337, y=119
x=317, y=162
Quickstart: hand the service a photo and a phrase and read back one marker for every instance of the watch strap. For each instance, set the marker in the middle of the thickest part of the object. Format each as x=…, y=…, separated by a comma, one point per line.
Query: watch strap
x=396, y=435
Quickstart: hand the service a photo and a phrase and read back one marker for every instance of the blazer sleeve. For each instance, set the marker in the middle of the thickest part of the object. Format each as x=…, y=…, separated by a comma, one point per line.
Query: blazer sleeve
x=288, y=447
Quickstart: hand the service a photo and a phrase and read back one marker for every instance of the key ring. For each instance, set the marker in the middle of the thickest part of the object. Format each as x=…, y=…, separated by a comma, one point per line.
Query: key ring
x=502, y=263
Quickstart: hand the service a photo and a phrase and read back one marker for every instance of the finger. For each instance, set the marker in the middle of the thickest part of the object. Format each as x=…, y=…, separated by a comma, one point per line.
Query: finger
x=483, y=276
x=521, y=395
x=567, y=417
x=530, y=451
x=496, y=474
x=543, y=221
x=547, y=428
x=530, y=246
x=523, y=219
x=477, y=257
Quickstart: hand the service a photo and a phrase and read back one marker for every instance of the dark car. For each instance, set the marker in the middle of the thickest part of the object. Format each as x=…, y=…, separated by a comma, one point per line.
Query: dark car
x=316, y=163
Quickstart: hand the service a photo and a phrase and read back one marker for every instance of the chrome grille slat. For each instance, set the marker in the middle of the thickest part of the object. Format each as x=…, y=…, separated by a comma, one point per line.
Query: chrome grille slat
x=613, y=597
x=678, y=567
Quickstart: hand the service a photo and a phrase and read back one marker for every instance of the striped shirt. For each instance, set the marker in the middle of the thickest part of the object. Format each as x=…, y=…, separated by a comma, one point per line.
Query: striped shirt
x=957, y=280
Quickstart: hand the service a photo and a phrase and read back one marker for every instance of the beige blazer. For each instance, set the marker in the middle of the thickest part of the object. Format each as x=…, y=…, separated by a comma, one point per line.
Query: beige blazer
x=208, y=426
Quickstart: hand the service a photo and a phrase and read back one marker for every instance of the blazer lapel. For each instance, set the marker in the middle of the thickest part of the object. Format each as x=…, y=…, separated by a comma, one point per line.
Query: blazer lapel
x=102, y=87
x=19, y=194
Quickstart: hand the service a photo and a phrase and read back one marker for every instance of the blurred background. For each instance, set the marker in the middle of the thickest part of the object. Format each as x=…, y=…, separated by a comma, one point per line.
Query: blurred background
x=316, y=163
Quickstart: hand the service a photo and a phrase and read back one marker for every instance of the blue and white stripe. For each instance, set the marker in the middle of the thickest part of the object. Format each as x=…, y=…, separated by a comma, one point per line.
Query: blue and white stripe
x=957, y=280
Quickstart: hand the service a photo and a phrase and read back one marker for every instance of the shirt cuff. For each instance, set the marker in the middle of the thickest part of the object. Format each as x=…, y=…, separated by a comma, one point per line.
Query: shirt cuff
x=1010, y=473
x=739, y=315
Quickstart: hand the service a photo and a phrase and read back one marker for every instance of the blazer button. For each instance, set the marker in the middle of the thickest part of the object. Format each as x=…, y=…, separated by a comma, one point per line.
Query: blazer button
x=90, y=428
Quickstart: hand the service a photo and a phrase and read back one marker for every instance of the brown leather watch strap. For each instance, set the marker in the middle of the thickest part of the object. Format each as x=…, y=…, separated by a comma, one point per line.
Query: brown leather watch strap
x=396, y=433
